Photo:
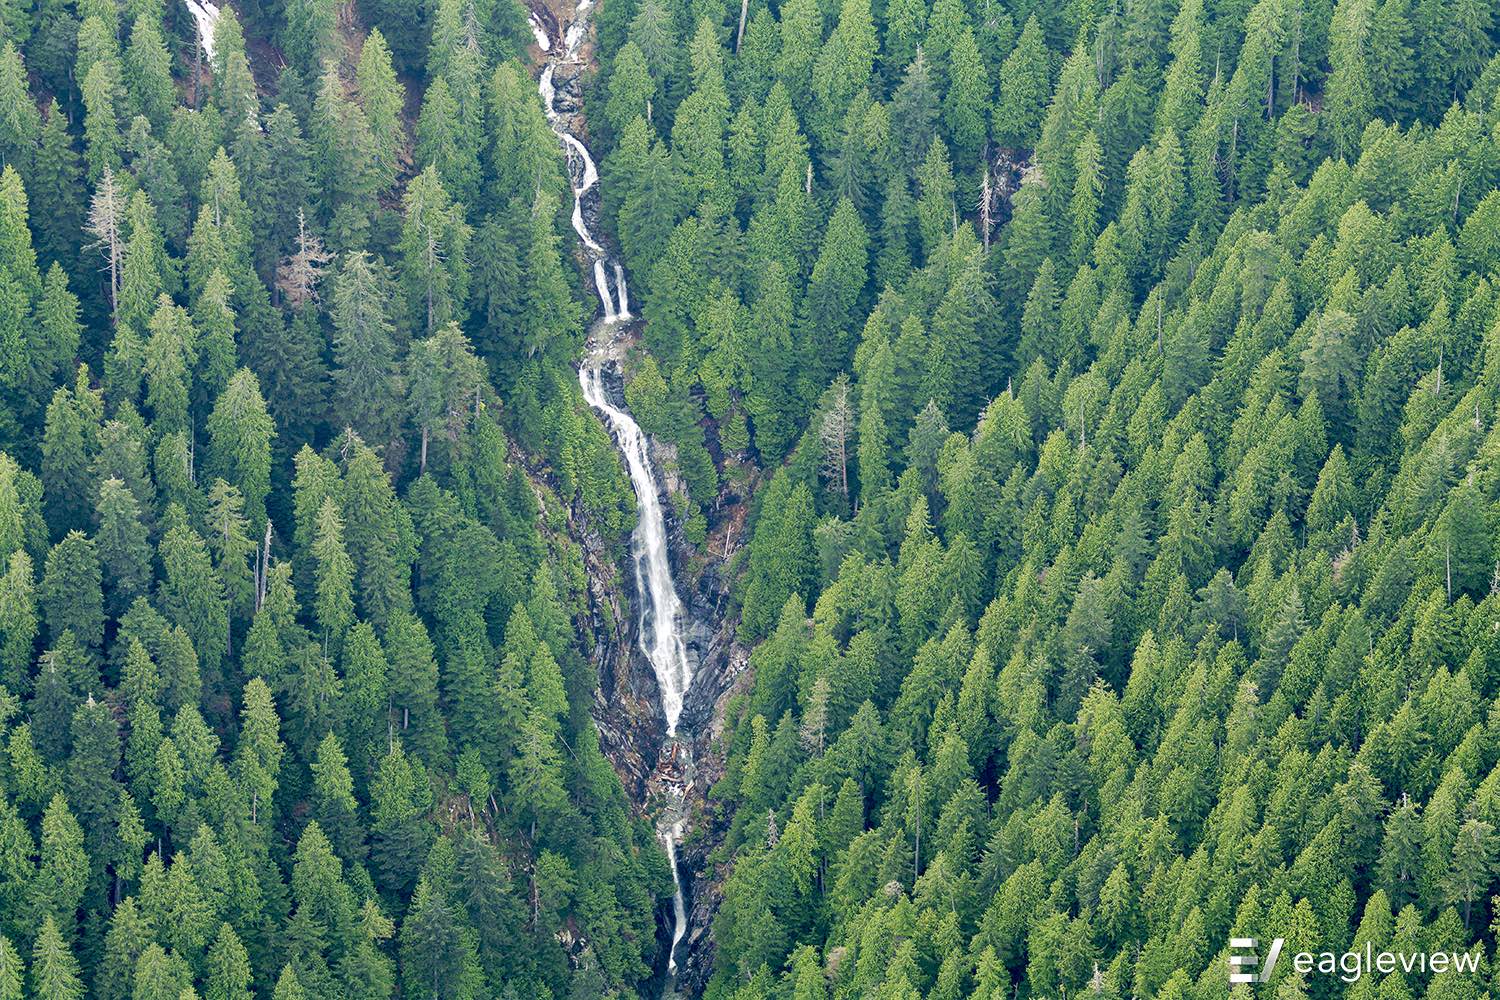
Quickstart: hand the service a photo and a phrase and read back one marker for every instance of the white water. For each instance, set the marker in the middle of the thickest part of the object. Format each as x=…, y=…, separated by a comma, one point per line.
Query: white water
x=207, y=17
x=679, y=905
x=549, y=94
x=661, y=610
x=603, y=286
x=624, y=295
x=660, y=617
x=543, y=42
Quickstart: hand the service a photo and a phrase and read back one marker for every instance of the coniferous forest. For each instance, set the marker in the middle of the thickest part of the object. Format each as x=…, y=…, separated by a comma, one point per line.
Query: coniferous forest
x=1092, y=410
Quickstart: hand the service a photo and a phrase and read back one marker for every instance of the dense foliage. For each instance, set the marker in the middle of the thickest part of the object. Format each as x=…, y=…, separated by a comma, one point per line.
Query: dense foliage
x=291, y=700
x=1125, y=578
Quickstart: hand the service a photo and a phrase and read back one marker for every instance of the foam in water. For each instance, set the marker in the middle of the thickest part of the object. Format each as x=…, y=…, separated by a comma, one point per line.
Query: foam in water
x=590, y=172
x=548, y=92
x=590, y=178
x=679, y=904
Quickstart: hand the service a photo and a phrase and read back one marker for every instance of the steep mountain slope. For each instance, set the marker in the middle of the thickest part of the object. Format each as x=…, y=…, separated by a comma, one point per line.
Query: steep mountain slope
x=1123, y=580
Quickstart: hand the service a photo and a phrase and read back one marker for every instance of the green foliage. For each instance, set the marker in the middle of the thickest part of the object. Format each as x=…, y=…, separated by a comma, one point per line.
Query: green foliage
x=1099, y=400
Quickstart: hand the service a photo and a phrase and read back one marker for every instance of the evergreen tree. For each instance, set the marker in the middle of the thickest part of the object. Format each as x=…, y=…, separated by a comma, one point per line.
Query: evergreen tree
x=240, y=432
x=1023, y=90
x=363, y=348
x=54, y=969
x=434, y=248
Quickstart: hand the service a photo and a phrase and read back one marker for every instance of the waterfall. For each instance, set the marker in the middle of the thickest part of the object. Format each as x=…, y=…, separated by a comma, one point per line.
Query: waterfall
x=603, y=285
x=620, y=287
x=679, y=905
x=661, y=613
x=660, y=620
x=207, y=17
x=660, y=607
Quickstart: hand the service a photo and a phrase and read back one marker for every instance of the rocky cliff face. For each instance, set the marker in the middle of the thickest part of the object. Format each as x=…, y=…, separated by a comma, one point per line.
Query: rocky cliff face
x=627, y=707
x=705, y=578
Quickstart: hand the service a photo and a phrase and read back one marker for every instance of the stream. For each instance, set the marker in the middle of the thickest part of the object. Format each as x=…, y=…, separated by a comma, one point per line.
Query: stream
x=660, y=609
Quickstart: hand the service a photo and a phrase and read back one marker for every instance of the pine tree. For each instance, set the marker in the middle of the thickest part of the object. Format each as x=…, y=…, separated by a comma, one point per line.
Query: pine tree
x=343, y=160
x=334, y=603
x=165, y=362
x=837, y=281
x=443, y=378
x=434, y=248
x=19, y=283
x=310, y=35
x=966, y=106
x=433, y=950
x=54, y=969
x=12, y=969
x=288, y=987
x=20, y=124
x=914, y=113
x=149, y=73
x=383, y=99
x=56, y=193
x=234, y=86
x=843, y=66
x=363, y=348
x=90, y=782
x=55, y=341
x=18, y=621
x=1023, y=90
x=229, y=973
x=62, y=876
x=413, y=689
x=240, y=432
x=935, y=207
x=123, y=545
x=70, y=594
x=400, y=832
x=258, y=757
x=442, y=144
x=192, y=596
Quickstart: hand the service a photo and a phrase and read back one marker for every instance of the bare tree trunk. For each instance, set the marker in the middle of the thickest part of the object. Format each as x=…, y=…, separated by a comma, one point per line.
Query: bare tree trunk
x=739, y=36
x=844, y=467
x=265, y=567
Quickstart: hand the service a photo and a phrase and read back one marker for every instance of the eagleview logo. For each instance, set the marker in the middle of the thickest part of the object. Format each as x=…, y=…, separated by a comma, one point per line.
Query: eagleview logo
x=1246, y=968
x=1245, y=964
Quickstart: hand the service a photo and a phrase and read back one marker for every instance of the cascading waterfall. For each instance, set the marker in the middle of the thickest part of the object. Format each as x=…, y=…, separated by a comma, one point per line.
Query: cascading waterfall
x=206, y=15
x=661, y=610
x=624, y=295
x=660, y=622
